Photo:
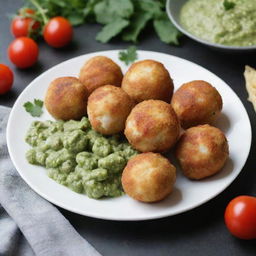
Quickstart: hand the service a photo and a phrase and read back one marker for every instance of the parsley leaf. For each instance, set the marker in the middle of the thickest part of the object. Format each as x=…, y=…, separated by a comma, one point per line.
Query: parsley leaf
x=108, y=10
x=228, y=5
x=76, y=18
x=166, y=30
x=128, y=56
x=153, y=7
x=138, y=22
x=112, y=29
x=35, y=109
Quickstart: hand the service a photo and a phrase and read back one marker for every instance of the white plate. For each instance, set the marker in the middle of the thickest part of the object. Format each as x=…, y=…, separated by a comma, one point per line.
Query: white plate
x=188, y=194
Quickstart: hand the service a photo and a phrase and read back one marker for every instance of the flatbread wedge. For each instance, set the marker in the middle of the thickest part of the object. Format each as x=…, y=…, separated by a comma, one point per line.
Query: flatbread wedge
x=250, y=82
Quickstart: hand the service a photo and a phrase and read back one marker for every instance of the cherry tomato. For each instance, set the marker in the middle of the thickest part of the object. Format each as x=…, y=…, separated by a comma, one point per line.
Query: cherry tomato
x=21, y=26
x=6, y=78
x=58, y=32
x=240, y=217
x=23, y=52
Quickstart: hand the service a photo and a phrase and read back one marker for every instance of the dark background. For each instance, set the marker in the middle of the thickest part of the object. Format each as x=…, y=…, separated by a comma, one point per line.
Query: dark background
x=198, y=232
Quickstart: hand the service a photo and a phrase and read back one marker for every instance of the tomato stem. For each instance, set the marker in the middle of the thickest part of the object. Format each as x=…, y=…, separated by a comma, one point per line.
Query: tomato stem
x=40, y=10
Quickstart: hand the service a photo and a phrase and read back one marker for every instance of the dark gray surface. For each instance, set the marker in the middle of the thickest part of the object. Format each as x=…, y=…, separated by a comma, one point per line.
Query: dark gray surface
x=197, y=232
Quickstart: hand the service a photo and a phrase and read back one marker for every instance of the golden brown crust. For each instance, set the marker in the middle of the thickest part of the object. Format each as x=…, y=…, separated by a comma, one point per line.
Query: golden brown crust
x=66, y=98
x=148, y=79
x=196, y=102
x=99, y=71
x=148, y=177
x=152, y=126
x=202, y=151
x=108, y=108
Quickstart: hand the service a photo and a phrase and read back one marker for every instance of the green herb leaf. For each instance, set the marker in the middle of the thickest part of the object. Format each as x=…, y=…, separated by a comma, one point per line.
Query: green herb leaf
x=111, y=30
x=228, y=5
x=166, y=30
x=38, y=102
x=88, y=10
x=151, y=6
x=138, y=22
x=128, y=56
x=34, y=109
x=76, y=18
x=107, y=11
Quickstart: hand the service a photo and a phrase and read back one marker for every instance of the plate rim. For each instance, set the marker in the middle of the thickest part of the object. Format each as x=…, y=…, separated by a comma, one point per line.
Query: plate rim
x=143, y=218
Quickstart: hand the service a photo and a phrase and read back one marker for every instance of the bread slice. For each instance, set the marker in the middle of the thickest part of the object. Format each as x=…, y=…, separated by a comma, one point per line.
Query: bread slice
x=250, y=79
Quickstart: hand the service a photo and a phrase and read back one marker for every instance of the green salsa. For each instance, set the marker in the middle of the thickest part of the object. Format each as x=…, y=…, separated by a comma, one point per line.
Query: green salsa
x=211, y=21
x=78, y=157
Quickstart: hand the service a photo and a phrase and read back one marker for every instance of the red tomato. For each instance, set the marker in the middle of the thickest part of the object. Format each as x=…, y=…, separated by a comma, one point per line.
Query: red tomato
x=21, y=26
x=240, y=217
x=23, y=52
x=6, y=78
x=58, y=32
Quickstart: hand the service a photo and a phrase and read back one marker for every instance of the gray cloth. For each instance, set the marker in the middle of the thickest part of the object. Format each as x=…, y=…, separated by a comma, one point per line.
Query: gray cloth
x=30, y=225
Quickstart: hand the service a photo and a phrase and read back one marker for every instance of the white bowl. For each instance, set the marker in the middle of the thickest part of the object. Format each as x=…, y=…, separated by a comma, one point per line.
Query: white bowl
x=173, y=8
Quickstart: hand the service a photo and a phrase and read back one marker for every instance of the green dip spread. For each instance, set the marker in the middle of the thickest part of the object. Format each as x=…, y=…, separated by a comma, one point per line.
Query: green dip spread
x=209, y=20
x=78, y=157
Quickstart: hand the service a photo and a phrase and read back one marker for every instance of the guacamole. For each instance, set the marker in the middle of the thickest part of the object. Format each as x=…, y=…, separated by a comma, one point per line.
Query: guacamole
x=211, y=21
x=78, y=157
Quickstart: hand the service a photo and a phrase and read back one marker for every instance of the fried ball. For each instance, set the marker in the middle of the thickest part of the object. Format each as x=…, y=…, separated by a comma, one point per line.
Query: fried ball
x=148, y=177
x=148, y=79
x=196, y=102
x=152, y=126
x=108, y=108
x=202, y=151
x=99, y=71
x=66, y=98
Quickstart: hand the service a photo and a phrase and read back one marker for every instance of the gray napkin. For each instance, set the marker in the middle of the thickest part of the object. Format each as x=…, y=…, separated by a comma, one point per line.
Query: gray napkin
x=46, y=232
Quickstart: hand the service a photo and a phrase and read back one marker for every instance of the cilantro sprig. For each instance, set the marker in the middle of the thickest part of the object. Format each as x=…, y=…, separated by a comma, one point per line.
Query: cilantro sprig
x=228, y=5
x=128, y=56
x=35, y=109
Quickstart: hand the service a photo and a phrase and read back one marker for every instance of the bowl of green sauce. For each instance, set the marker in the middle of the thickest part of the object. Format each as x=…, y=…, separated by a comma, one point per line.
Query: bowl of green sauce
x=223, y=24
